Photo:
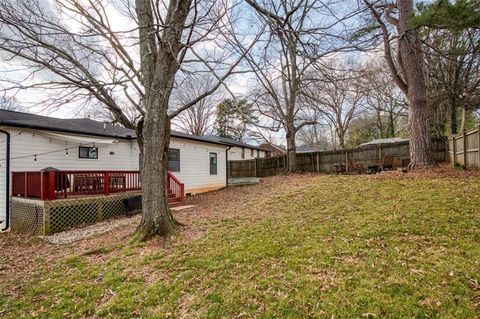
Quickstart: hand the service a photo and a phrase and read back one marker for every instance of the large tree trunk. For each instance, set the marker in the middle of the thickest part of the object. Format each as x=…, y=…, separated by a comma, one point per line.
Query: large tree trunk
x=421, y=146
x=390, y=125
x=156, y=218
x=341, y=139
x=291, y=156
x=453, y=116
x=159, y=65
x=139, y=132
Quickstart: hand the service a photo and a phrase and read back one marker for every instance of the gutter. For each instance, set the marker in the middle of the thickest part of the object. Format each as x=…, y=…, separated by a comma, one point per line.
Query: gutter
x=226, y=164
x=7, y=180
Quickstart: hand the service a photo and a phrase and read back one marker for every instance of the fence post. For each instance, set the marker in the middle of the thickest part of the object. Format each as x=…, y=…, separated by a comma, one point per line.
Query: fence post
x=255, y=167
x=46, y=206
x=106, y=183
x=465, y=158
x=318, y=162
x=478, y=146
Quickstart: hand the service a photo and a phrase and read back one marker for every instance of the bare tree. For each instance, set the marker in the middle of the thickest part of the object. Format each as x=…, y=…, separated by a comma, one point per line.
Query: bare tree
x=336, y=92
x=200, y=118
x=383, y=98
x=74, y=50
x=453, y=64
x=299, y=33
x=408, y=71
x=10, y=104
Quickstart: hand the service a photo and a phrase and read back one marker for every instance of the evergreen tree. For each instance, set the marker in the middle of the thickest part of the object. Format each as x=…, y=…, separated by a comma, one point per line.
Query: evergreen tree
x=233, y=118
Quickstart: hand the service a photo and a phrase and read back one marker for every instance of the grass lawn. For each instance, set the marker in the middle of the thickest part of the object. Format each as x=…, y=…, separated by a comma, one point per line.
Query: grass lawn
x=291, y=247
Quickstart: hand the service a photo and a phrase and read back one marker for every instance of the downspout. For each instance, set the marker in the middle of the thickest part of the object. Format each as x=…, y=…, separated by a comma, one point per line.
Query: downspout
x=7, y=180
x=226, y=164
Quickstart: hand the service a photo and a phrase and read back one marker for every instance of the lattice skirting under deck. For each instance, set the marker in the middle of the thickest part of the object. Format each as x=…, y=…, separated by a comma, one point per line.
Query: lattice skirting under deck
x=38, y=217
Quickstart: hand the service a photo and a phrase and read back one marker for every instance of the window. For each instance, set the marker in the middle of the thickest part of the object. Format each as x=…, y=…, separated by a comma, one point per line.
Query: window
x=174, y=160
x=251, y=152
x=87, y=152
x=243, y=152
x=213, y=163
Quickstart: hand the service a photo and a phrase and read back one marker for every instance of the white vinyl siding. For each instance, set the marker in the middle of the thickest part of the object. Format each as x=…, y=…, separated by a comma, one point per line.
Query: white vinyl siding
x=112, y=156
x=121, y=155
x=3, y=204
x=235, y=153
x=195, y=165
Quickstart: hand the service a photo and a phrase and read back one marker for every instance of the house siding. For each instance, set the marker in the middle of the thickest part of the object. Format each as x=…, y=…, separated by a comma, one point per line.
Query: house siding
x=194, y=158
x=235, y=154
x=30, y=142
x=195, y=165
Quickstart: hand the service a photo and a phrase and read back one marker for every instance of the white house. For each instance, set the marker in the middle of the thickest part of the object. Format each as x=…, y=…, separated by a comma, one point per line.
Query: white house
x=30, y=143
x=243, y=151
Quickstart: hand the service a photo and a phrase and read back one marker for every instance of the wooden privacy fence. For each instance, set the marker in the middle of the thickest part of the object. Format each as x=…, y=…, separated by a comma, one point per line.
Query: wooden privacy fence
x=324, y=161
x=464, y=148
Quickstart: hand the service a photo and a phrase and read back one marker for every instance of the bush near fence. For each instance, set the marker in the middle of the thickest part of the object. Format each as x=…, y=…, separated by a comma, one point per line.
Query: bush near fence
x=324, y=161
x=464, y=148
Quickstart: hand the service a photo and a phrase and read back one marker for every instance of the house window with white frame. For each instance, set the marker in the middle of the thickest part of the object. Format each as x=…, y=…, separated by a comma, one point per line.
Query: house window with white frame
x=213, y=163
x=174, y=159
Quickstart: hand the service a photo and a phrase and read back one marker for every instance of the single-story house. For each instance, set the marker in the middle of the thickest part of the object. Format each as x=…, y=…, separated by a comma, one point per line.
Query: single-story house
x=273, y=150
x=242, y=151
x=46, y=158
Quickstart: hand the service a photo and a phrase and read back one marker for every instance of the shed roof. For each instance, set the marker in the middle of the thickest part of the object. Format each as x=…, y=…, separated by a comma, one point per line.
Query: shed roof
x=385, y=141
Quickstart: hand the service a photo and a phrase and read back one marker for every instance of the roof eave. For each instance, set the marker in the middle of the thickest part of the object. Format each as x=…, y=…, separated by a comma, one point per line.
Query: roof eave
x=47, y=128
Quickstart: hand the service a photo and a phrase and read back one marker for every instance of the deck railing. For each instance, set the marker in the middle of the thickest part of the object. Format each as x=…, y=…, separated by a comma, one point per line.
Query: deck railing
x=50, y=185
x=175, y=186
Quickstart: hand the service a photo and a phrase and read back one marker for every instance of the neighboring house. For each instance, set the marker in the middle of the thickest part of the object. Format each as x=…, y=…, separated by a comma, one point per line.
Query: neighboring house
x=39, y=142
x=272, y=149
x=242, y=151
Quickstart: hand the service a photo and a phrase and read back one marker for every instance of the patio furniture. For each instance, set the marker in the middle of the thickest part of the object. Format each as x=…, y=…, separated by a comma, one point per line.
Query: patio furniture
x=387, y=163
x=373, y=169
x=355, y=167
x=339, y=168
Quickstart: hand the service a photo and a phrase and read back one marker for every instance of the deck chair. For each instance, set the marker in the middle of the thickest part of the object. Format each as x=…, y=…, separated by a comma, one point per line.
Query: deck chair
x=387, y=163
x=354, y=167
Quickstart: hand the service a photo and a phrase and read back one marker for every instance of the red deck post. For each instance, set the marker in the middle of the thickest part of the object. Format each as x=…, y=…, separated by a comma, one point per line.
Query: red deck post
x=51, y=186
x=106, y=183
x=26, y=185
x=182, y=192
x=43, y=185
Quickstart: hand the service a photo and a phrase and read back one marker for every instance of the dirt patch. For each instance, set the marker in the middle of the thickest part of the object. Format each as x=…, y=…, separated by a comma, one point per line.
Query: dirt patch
x=74, y=235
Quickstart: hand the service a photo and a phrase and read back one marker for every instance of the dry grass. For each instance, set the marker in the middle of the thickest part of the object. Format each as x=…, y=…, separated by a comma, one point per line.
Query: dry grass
x=390, y=245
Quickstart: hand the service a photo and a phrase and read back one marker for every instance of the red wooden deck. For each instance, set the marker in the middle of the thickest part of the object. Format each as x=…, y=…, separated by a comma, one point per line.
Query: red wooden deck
x=56, y=184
